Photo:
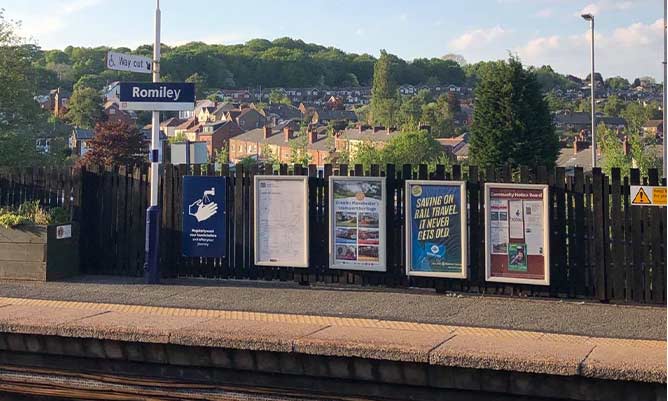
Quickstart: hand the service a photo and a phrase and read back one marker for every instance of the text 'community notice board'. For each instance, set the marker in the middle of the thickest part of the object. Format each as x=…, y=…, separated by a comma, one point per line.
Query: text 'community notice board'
x=281, y=221
x=204, y=216
x=436, y=236
x=517, y=233
x=357, y=223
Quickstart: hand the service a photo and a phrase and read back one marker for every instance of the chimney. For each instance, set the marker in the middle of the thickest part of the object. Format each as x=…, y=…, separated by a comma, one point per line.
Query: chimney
x=626, y=145
x=267, y=132
x=287, y=133
x=312, y=136
x=579, y=146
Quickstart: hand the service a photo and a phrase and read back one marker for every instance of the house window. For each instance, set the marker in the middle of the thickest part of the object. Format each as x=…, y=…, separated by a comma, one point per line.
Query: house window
x=112, y=111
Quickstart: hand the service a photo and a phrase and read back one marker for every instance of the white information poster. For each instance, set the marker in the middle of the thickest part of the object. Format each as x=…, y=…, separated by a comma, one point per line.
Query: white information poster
x=516, y=220
x=533, y=227
x=357, y=223
x=499, y=226
x=281, y=221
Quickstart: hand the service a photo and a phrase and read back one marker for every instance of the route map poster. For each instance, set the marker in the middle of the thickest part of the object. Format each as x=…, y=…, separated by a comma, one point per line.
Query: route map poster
x=281, y=221
x=436, y=229
x=204, y=217
x=357, y=223
x=517, y=233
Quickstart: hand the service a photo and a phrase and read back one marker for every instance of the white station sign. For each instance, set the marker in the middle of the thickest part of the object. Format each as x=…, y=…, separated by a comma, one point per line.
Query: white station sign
x=128, y=62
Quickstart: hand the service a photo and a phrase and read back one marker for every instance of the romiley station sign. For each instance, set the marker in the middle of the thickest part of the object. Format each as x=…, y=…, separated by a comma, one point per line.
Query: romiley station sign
x=163, y=96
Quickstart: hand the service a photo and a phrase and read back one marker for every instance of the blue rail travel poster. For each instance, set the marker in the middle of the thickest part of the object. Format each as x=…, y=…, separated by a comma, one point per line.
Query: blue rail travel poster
x=436, y=229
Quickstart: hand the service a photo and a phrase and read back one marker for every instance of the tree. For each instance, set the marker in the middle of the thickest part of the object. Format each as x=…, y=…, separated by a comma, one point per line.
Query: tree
x=299, y=149
x=90, y=81
x=612, y=150
x=617, y=83
x=511, y=121
x=613, y=106
x=276, y=97
x=408, y=147
x=115, y=143
x=200, y=84
x=384, y=94
x=222, y=156
x=85, y=108
x=457, y=58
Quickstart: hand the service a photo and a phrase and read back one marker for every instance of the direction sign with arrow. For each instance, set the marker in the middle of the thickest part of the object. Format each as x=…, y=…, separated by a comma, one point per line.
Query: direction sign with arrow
x=128, y=62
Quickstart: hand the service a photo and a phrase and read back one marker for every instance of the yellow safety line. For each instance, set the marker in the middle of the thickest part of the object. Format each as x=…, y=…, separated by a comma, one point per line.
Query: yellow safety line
x=333, y=321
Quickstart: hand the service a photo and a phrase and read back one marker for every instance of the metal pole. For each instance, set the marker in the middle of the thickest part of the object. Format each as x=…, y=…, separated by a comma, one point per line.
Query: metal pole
x=151, y=268
x=592, y=81
x=665, y=81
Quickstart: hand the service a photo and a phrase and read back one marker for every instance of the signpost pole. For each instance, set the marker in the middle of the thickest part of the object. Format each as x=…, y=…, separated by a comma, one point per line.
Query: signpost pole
x=151, y=268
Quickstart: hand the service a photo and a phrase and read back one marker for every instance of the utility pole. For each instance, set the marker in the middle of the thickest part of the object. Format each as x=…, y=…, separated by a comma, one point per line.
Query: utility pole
x=592, y=82
x=151, y=268
x=665, y=81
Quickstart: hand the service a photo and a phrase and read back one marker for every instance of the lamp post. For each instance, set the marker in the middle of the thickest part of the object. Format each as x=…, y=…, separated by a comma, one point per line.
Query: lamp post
x=151, y=268
x=592, y=82
x=665, y=82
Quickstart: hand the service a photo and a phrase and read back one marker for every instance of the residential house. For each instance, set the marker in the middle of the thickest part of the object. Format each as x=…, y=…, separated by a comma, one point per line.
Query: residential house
x=323, y=116
x=278, y=113
x=579, y=120
x=112, y=91
x=79, y=141
x=168, y=126
x=349, y=139
x=454, y=146
x=256, y=144
x=186, y=114
x=217, y=135
x=55, y=102
x=247, y=118
x=653, y=129
x=115, y=114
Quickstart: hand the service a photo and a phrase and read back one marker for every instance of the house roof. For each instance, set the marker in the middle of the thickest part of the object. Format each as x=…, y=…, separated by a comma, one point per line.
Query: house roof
x=367, y=134
x=82, y=133
x=277, y=138
x=283, y=111
x=336, y=115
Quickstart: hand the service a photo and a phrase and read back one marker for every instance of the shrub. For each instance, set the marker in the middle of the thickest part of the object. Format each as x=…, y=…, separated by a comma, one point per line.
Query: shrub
x=32, y=213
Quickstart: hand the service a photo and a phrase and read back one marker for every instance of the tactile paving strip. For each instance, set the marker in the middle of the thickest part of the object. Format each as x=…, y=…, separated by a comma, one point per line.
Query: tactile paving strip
x=333, y=321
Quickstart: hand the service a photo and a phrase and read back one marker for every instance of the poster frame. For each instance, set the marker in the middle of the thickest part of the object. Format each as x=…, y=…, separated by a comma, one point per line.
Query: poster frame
x=303, y=263
x=546, y=234
x=382, y=226
x=463, y=203
x=223, y=210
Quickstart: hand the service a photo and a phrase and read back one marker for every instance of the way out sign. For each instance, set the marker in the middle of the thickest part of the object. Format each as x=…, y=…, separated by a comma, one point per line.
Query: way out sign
x=157, y=96
x=648, y=196
x=128, y=62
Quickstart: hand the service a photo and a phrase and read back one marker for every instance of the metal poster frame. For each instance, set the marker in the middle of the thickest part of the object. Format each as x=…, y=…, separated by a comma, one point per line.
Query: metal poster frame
x=546, y=234
x=302, y=263
x=382, y=227
x=408, y=215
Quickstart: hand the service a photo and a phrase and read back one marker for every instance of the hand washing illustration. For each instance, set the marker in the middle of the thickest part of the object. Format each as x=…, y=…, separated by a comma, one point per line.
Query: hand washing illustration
x=204, y=208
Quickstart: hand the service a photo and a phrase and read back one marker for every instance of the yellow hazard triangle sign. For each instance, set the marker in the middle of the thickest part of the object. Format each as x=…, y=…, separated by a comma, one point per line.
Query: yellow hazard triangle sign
x=641, y=198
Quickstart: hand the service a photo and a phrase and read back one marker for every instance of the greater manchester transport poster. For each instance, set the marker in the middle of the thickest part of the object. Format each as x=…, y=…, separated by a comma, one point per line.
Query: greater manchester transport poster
x=517, y=233
x=357, y=223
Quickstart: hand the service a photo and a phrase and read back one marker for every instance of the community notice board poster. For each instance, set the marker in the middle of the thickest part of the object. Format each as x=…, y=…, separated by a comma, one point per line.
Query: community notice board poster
x=436, y=236
x=204, y=217
x=281, y=221
x=517, y=233
x=357, y=223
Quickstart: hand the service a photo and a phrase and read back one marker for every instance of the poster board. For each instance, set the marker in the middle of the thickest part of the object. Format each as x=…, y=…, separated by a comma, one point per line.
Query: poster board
x=436, y=229
x=357, y=223
x=517, y=233
x=281, y=221
x=204, y=231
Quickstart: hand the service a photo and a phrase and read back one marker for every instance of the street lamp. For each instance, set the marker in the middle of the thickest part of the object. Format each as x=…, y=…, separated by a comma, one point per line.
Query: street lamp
x=590, y=18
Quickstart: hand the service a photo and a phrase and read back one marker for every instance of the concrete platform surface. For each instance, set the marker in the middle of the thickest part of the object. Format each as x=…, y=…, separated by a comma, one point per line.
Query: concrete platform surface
x=583, y=318
x=442, y=345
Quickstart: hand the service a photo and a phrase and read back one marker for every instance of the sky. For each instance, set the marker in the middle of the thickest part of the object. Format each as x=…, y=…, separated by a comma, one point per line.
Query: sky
x=629, y=33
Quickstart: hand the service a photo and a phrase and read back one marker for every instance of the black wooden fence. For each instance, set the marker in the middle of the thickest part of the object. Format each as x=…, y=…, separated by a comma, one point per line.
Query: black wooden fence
x=601, y=247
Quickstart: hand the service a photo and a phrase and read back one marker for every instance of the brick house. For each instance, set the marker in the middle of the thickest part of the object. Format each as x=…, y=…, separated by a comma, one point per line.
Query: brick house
x=247, y=119
x=254, y=142
x=115, y=114
x=217, y=135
